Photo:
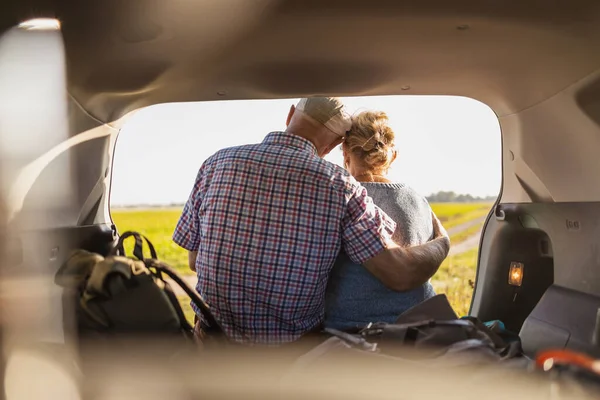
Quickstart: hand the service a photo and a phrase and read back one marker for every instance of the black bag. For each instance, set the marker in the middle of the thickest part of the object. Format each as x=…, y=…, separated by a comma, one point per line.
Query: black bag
x=117, y=294
x=431, y=330
x=431, y=339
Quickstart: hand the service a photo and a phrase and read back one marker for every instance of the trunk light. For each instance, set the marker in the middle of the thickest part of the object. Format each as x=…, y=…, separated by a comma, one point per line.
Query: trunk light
x=515, y=274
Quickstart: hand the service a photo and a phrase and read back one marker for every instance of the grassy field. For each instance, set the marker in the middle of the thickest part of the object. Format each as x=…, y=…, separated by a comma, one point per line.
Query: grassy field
x=158, y=225
x=453, y=214
x=453, y=278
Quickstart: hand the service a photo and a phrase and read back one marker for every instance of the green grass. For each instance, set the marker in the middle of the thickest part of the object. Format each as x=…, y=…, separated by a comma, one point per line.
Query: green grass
x=452, y=278
x=455, y=278
x=158, y=225
x=456, y=275
x=187, y=308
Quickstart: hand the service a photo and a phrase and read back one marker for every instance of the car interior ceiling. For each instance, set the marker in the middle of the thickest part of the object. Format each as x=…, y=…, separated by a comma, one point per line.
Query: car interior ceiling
x=534, y=63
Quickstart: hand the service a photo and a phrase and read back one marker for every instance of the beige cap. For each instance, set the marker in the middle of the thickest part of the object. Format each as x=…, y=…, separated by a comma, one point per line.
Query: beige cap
x=328, y=111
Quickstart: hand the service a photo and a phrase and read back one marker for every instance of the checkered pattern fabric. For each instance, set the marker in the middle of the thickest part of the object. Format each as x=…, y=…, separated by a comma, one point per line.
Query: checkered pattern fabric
x=268, y=221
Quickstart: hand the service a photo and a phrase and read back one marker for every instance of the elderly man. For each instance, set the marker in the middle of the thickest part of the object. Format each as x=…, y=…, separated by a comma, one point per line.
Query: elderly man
x=264, y=224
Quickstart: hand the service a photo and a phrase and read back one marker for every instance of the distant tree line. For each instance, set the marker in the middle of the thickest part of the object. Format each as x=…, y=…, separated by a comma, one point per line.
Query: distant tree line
x=439, y=197
x=144, y=206
x=451, y=197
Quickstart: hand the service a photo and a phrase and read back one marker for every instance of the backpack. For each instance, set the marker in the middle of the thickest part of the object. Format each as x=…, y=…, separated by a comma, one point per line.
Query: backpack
x=117, y=295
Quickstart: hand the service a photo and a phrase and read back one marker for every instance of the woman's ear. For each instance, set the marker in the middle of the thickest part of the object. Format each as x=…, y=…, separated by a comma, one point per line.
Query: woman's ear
x=346, y=155
x=345, y=151
x=394, y=155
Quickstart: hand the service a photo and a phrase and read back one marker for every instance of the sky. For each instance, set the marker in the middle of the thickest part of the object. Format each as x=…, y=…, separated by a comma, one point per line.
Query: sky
x=444, y=143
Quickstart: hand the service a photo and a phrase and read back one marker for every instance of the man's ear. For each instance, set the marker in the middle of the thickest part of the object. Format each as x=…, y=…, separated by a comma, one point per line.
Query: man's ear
x=394, y=155
x=333, y=145
x=290, y=115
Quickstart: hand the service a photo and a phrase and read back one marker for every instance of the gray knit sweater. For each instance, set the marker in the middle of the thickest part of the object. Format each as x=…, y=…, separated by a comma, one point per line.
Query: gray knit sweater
x=354, y=296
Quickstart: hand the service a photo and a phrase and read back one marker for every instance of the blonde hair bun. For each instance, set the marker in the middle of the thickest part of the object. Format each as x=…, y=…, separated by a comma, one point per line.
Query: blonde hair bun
x=372, y=139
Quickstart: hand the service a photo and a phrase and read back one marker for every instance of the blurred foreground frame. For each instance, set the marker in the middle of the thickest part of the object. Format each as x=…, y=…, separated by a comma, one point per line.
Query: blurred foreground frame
x=33, y=115
x=42, y=357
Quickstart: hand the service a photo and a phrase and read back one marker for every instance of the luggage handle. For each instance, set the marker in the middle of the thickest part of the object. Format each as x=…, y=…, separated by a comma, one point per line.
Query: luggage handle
x=378, y=328
x=471, y=325
x=138, y=251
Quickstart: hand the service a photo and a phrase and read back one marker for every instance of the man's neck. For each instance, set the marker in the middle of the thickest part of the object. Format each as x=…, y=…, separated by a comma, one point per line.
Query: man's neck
x=308, y=136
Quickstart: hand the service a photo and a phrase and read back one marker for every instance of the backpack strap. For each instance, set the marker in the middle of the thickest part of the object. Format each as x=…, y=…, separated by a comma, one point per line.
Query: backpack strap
x=185, y=325
x=198, y=301
x=138, y=251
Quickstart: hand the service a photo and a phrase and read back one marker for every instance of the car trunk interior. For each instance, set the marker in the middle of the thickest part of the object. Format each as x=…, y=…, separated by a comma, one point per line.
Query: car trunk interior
x=535, y=63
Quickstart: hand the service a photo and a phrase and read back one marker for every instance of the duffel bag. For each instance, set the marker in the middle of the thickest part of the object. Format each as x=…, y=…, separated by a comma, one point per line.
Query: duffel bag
x=431, y=329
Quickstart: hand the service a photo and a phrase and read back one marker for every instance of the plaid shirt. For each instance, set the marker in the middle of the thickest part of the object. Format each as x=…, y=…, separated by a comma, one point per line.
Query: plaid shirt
x=268, y=221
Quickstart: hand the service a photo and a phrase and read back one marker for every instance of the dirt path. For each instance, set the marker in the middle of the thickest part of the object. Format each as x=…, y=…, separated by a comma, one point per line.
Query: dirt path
x=466, y=245
x=459, y=228
x=471, y=242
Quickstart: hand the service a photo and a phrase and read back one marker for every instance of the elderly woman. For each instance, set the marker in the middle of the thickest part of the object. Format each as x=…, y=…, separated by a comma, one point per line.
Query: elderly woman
x=354, y=296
